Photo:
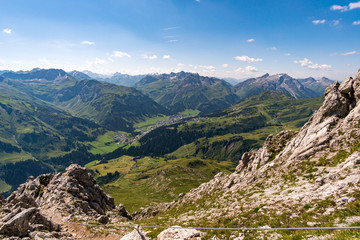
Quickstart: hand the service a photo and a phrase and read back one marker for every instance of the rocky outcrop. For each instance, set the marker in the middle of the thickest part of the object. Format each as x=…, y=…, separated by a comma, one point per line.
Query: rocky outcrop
x=136, y=234
x=74, y=191
x=179, y=233
x=28, y=211
x=19, y=222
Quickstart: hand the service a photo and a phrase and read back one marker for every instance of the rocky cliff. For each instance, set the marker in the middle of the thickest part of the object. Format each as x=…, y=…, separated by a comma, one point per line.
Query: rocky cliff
x=46, y=206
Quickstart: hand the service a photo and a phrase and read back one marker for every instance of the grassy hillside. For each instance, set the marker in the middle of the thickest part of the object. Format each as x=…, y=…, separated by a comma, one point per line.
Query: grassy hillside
x=139, y=182
x=111, y=106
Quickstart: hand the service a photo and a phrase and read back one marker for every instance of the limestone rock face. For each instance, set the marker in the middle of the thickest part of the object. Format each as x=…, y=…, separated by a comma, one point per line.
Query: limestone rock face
x=180, y=234
x=74, y=190
x=29, y=210
x=136, y=234
x=18, y=222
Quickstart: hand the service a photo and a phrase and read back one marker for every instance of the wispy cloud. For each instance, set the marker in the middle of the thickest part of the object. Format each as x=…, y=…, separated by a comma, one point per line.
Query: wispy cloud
x=287, y=54
x=251, y=40
x=151, y=57
x=120, y=54
x=87, y=43
x=197, y=0
x=335, y=22
x=345, y=8
x=7, y=30
x=345, y=54
x=225, y=65
x=166, y=56
x=203, y=68
x=247, y=59
x=247, y=70
x=356, y=22
x=172, y=40
x=96, y=61
x=171, y=28
x=350, y=53
x=309, y=64
x=316, y=22
x=273, y=48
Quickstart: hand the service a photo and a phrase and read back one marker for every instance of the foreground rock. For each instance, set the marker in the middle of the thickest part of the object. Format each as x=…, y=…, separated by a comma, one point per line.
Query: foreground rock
x=179, y=233
x=74, y=191
x=67, y=196
x=136, y=234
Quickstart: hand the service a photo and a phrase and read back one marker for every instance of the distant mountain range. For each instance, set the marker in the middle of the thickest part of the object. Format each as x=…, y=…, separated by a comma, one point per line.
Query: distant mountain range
x=116, y=78
x=318, y=85
x=304, y=88
x=181, y=91
x=175, y=91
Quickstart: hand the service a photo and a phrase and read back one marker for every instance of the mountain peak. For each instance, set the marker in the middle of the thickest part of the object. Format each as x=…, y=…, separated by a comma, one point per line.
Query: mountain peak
x=279, y=82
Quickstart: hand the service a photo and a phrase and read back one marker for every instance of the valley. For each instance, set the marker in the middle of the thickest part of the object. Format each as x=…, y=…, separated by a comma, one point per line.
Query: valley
x=160, y=160
x=179, y=120
x=55, y=119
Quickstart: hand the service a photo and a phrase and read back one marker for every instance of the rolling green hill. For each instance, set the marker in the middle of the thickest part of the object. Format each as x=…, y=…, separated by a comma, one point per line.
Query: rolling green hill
x=139, y=182
x=37, y=128
x=181, y=91
x=113, y=107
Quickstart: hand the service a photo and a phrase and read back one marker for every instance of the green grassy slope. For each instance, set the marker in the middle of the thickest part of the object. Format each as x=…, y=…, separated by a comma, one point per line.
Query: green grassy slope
x=113, y=107
x=140, y=182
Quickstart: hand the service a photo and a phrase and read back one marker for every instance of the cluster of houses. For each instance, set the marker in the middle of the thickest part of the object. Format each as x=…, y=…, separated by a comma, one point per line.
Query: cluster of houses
x=127, y=139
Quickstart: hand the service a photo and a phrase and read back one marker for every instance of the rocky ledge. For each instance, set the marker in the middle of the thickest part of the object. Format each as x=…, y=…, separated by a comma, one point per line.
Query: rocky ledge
x=40, y=206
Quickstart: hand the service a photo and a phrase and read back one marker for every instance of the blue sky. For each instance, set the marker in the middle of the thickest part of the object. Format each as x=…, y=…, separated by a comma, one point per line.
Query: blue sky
x=222, y=38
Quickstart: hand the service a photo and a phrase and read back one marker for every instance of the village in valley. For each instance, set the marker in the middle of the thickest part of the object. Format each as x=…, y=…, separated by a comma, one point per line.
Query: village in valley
x=127, y=139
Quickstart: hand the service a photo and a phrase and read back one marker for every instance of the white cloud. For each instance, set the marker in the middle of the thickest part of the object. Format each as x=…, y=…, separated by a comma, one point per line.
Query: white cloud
x=354, y=5
x=356, y=22
x=87, y=43
x=273, y=48
x=251, y=40
x=316, y=22
x=152, y=57
x=120, y=54
x=181, y=65
x=7, y=30
x=349, y=53
x=97, y=61
x=208, y=68
x=335, y=22
x=225, y=65
x=247, y=59
x=45, y=63
x=173, y=40
x=171, y=28
x=338, y=7
x=247, y=70
x=287, y=54
x=166, y=57
x=309, y=64
x=349, y=7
